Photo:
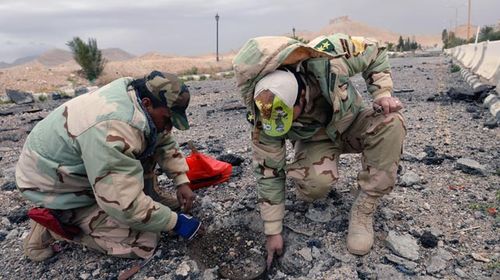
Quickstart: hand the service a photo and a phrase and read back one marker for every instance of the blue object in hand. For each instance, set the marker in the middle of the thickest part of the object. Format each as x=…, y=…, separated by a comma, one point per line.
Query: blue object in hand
x=186, y=226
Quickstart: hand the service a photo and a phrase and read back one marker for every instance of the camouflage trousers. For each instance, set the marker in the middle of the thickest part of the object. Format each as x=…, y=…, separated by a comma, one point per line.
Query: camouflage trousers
x=105, y=234
x=379, y=139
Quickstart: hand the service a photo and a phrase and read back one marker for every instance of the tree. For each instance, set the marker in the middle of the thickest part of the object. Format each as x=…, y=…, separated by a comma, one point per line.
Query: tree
x=485, y=33
x=401, y=44
x=453, y=41
x=444, y=36
x=390, y=46
x=88, y=56
x=407, y=46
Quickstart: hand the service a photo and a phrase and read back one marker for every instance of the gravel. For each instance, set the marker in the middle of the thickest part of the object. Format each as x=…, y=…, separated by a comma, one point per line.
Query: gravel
x=456, y=204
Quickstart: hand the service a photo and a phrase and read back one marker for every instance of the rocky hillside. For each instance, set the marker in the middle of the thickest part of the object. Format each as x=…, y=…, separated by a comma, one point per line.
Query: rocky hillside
x=346, y=25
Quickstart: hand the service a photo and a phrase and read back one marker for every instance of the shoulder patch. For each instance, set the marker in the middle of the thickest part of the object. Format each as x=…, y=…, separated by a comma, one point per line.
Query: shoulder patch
x=325, y=45
x=359, y=45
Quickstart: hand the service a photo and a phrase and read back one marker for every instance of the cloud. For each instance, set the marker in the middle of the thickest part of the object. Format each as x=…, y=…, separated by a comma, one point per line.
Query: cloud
x=187, y=27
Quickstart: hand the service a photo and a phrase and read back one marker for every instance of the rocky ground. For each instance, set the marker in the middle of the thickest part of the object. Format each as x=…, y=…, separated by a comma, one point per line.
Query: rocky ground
x=440, y=222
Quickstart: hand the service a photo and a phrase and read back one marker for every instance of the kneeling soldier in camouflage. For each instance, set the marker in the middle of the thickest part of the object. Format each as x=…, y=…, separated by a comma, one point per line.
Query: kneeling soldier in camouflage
x=303, y=93
x=91, y=162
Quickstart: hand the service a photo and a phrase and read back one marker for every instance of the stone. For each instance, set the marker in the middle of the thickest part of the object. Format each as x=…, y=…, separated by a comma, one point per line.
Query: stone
x=428, y=240
x=491, y=123
x=478, y=215
x=403, y=245
x=293, y=264
x=319, y=215
x=470, y=166
x=409, y=157
x=461, y=94
x=9, y=186
x=183, y=269
x=306, y=254
x=401, y=261
x=435, y=264
x=3, y=235
x=5, y=149
x=5, y=222
x=471, y=109
x=18, y=215
x=84, y=276
x=211, y=274
x=206, y=202
x=20, y=97
x=384, y=271
x=421, y=156
x=460, y=273
x=12, y=234
x=438, y=261
x=409, y=179
x=480, y=258
x=316, y=253
x=81, y=90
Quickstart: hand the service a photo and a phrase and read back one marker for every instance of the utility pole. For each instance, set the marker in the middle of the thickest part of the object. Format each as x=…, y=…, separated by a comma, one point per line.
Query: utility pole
x=293, y=32
x=468, y=23
x=217, y=36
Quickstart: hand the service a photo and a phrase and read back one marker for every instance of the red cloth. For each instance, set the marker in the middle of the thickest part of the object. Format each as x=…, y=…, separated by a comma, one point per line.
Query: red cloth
x=206, y=171
x=48, y=218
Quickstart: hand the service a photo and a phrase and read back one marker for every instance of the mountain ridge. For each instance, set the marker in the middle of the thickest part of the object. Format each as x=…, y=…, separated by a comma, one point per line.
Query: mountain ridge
x=54, y=57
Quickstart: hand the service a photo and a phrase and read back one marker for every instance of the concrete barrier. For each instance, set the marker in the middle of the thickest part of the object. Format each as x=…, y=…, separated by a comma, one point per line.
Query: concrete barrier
x=491, y=62
x=481, y=70
x=479, y=57
x=482, y=59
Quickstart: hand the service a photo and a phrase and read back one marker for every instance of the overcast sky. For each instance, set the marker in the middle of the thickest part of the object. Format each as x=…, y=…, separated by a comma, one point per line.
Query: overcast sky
x=187, y=27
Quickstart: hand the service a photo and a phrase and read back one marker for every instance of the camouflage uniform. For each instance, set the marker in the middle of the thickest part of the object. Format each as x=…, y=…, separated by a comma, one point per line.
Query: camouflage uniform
x=91, y=158
x=334, y=121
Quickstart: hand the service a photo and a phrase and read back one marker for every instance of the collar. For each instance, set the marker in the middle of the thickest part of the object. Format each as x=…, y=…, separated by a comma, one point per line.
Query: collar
x=152, y=137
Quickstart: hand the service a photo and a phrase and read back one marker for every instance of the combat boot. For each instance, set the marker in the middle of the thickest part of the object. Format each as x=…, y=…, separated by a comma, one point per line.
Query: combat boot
x=168, y=200
x=152, y=189
x=360, y=235
x=36, y=245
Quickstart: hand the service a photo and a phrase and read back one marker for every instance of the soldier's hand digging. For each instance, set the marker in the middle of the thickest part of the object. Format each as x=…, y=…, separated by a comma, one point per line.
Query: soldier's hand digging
x=185, y=196
x=274, y=245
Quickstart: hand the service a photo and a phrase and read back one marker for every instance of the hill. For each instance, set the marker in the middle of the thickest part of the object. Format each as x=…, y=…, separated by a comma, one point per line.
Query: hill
x=56, y=57
x=355, y=28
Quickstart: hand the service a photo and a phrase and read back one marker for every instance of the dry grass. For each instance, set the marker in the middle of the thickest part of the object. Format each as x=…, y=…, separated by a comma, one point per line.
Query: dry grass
x=35, y=77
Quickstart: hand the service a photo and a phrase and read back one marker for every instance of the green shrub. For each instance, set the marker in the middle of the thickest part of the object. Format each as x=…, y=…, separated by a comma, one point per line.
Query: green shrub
x=88, y=56
x=454, y=68
x=42, y=98
x=192, y=71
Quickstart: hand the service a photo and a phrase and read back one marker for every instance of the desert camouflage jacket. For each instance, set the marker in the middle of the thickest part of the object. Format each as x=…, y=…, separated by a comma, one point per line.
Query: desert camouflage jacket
x=326, y=63
x=88, y=151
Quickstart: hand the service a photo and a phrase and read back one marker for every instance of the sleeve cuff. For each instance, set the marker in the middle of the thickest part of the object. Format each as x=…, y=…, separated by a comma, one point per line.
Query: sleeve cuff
x=272, y=215
x=181, y=179
x=172, y=222
x=381, y=94
x=272, y=228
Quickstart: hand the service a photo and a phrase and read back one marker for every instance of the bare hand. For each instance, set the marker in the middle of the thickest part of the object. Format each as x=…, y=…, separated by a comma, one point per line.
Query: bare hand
x=389, y=104
x=274, y=244
x=185, y=196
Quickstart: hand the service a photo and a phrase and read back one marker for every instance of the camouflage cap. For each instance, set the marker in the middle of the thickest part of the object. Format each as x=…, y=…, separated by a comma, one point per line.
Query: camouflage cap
x=173, y=93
